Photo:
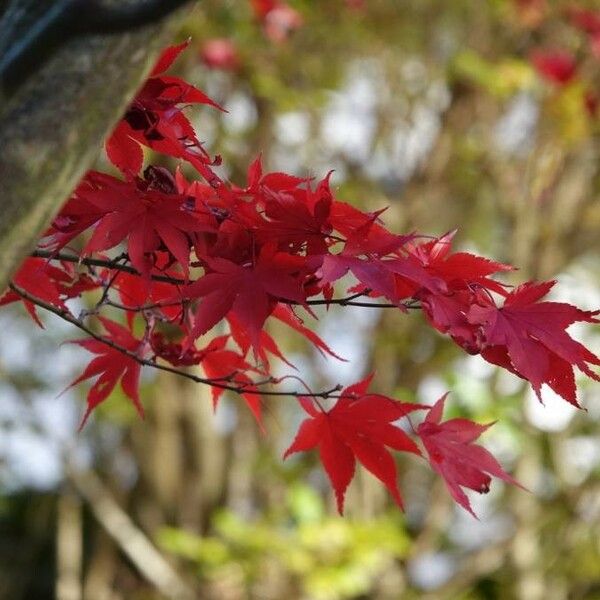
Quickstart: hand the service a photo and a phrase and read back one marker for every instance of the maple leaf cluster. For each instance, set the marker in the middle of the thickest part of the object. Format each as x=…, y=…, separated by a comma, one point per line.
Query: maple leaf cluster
x=179, y=258
x=561, y=66
x=278, y=19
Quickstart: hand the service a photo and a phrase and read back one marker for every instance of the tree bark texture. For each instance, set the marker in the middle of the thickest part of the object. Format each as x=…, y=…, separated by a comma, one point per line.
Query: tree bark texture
x=53, y=126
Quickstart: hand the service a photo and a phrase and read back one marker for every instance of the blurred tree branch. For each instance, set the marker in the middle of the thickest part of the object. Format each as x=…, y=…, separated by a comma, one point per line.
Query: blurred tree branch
x=132, y=541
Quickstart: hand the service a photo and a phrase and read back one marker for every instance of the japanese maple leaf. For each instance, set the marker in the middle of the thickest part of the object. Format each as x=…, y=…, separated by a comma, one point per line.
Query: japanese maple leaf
x=173, y=352
x=75, y=217
x=370, y=272
x=377, y=258
x=250, y=291
x=430, y=270
x=448, y=314
x=147, y=216
x=364, y=233
x=275, y=182
x=529, y=337
x=266, y=342
x=456, y=458
x=458, y=269
x=219, y=362
x=134, y=296
x=463, y=280
x=46, y=282
x=359, y=426
x=286, y=315
x=291, y=215
x=362, y=256
x=366, y=237
x=111, y=366
x=296, y=217
x=155, y=119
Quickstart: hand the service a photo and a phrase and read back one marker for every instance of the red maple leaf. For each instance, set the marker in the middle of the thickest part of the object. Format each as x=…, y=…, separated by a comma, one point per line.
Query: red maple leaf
x=347, y=219
x=529, y=338
x=359, y=426
x=286, y=315
x=146, y=213
x=173, y=352
x=134, y=296
x=155, y=119
x=250, y=291
x=219, y=362
x=77, y=215
x=47, y=282
x=362, y=255
x=459, y=270
x=456, y=458
x=448, y=314
x=463, y=280
x=297, y=217
x=275, y=182
x=111, y=366
x=266, y=343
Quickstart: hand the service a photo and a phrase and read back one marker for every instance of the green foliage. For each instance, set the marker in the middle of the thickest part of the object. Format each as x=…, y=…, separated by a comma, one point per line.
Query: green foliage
x=501, y=78
x=326, y=557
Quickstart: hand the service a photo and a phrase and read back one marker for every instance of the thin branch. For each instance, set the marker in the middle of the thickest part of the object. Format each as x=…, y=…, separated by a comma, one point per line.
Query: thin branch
x=112, y=264
x=242, y=388
x=99, y=262
x=129, y=537
x=104, y=298
x=142, y=307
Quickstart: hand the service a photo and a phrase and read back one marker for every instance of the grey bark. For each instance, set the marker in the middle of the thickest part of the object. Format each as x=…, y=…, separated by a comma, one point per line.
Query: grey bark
x=53, y=126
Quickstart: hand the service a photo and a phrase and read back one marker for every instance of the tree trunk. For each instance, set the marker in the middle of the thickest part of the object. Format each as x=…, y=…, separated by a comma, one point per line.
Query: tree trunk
x=53, y=126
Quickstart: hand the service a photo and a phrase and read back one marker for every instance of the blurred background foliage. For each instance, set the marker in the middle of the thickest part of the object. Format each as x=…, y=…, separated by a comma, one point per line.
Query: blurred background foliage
x=480, y=116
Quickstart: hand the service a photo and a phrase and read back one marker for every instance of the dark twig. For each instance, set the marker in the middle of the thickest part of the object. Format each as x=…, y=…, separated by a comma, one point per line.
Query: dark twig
x=98, y=262
x=243, y=388
x=142, y=307
x=108, y=286
x=111, y=264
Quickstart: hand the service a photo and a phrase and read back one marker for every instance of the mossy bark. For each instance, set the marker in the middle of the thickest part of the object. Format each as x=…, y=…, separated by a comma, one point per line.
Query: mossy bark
x=52, y=129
